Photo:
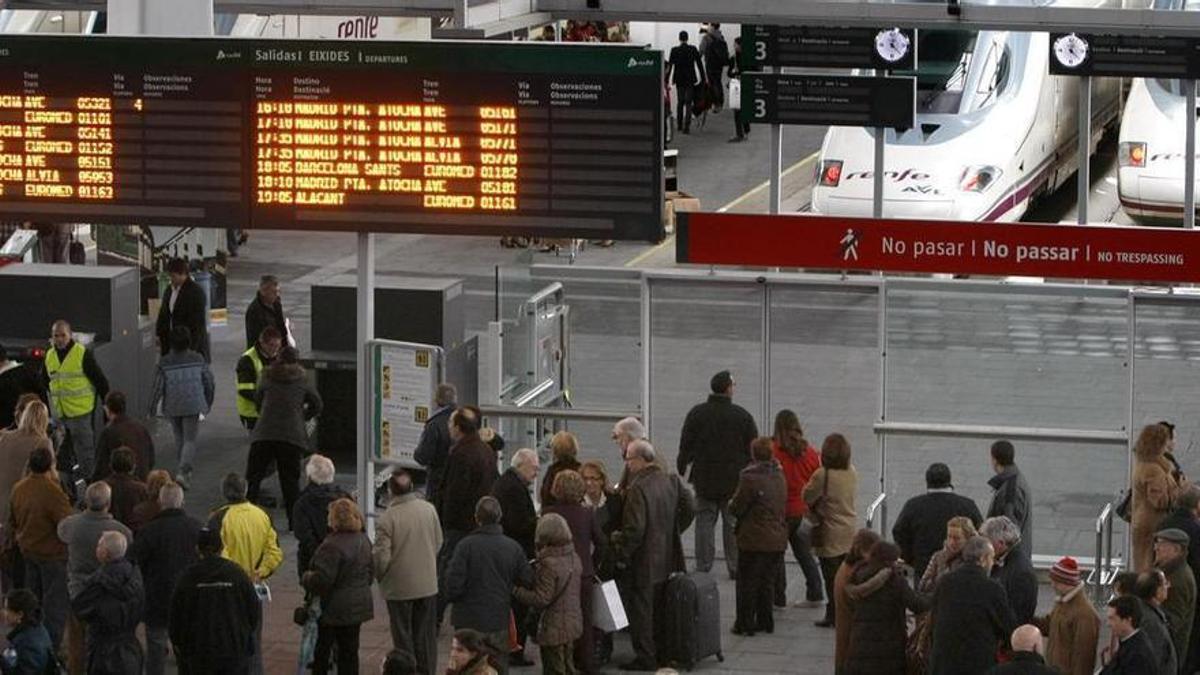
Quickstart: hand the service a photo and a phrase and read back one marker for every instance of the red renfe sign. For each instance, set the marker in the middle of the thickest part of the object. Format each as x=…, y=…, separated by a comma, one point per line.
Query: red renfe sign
x=1001, y=249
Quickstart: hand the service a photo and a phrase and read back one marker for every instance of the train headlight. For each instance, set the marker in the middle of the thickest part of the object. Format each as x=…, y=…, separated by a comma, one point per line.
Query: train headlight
x=978, y=178
x=1131, y=154
x=831, y=172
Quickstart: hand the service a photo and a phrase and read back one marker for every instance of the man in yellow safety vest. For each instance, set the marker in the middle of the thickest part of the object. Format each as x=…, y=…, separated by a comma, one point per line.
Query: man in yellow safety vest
x=75, y=381
x=249, y=370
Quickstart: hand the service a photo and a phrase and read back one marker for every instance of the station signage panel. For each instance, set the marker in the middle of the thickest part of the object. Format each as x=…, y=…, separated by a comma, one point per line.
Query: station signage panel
x=828, y=47
x=939, y=246
x=832, y=100
x=438, y=137
x=1124, y=56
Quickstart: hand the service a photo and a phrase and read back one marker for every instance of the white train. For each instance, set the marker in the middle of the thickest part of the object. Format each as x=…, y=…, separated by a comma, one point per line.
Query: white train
x=1151, y=150
x=993, y=131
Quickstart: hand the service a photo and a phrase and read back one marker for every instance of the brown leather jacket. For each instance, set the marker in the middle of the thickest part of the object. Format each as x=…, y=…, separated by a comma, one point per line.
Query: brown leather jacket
x=657, y=508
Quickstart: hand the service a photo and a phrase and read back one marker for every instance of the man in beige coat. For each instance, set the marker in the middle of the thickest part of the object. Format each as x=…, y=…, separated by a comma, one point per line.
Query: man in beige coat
x=408, y=536
x=1073, y=626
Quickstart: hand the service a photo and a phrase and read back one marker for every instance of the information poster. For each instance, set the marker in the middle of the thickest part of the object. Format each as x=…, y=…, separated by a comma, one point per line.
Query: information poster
x=404, y=377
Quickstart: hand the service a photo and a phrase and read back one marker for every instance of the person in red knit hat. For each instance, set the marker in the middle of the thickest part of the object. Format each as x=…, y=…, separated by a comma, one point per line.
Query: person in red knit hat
x=1073, y=626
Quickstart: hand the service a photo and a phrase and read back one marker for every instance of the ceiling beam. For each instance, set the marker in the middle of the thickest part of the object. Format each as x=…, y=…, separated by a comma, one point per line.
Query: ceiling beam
x=974, y=16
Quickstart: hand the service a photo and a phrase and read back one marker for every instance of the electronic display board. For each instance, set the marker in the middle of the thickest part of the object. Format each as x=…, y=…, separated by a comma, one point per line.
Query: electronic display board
x=440, y=137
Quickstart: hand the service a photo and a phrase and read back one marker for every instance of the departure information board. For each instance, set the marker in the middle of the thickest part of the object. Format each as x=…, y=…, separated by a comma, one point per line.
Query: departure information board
x=440, y=137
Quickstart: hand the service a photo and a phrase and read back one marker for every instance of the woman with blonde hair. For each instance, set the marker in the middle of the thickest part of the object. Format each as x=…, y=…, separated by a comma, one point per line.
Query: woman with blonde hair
x=148, y=509
x=564, y=449
x=556, y=580
x=1154, y=491
x=17, y=444
x=949, y=558
x=15, y=447
x=340, y=572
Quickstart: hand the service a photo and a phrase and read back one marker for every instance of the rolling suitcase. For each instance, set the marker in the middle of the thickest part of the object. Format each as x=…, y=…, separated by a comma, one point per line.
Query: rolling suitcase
x=693, y=619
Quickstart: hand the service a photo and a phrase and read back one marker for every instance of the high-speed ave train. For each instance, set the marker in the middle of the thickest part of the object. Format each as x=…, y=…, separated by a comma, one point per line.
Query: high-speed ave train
x=1150, y=153
x=993, y=131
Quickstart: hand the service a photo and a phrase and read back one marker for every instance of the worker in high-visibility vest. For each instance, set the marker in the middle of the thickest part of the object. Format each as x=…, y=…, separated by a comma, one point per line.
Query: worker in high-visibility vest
x=249, y=370
x=75, y=381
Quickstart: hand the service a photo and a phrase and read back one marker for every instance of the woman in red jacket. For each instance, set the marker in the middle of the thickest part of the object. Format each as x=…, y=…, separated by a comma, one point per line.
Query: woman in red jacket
x=799, y=461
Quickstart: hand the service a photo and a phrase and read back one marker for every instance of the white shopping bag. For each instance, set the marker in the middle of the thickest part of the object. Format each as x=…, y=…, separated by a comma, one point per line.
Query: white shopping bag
x=608, y=613
x=734, y=100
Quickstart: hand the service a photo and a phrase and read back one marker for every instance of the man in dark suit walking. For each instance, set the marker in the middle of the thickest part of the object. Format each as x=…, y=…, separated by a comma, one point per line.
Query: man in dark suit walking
x=685, y=69
x=183, y=304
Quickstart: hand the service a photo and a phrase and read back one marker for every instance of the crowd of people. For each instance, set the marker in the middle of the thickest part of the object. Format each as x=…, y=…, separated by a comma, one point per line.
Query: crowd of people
x=94, y=548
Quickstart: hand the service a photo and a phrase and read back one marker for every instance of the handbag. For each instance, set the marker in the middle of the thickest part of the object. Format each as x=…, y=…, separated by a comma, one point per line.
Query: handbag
x=734, y=100
x=813, y=524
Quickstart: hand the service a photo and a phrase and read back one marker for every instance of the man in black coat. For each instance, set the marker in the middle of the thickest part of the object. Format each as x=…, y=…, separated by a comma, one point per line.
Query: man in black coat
x=163, y=549
x=970, y=615
x=310, y=515
x=1186, y=518
x=481, y=576
x=715, y=442
x=16, y=379
x=183, y=304
x=1011, y=570
x=110, y=605
x=266, y=309
x=1012, y=497
x=434, y=447
x=1027, y=658
x=920, y=531
x=519, y=521
x=470, y=473
x=214, y=613
x=1133, y=655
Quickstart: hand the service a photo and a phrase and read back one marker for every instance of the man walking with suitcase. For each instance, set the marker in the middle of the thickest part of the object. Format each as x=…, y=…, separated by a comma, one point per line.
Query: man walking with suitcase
x=648, y=546
x=715, y=441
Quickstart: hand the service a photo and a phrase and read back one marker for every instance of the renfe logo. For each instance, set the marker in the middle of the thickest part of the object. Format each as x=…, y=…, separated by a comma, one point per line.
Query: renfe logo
x=359, y=27
x=896, y=177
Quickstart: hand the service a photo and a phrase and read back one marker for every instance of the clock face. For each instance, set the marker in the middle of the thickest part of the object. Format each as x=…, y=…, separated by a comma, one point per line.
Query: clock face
x=892, y=45
x=1071, y=50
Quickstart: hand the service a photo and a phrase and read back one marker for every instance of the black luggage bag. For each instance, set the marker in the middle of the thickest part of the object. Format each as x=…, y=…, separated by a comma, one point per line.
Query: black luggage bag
x=693, y=619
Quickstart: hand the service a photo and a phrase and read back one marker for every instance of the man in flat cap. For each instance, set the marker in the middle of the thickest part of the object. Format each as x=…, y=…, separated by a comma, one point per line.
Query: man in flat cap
x=1170, y=556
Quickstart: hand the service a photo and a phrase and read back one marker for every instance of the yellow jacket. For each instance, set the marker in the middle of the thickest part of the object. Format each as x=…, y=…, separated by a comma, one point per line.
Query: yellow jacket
x=249, y=538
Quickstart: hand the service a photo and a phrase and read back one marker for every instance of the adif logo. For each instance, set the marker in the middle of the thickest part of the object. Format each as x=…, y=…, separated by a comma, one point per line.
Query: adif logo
x=634, y=62
x=222, y=55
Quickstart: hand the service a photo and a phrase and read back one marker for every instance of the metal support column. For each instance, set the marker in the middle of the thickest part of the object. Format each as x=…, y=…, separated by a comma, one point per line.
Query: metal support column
x=366, y=331
x=776, y=169
x=877, y=191
x=1189, y=157
x=1130, y=353
x=1083, y=176
x=881, y=439
x=646, y=353
x=765, y=409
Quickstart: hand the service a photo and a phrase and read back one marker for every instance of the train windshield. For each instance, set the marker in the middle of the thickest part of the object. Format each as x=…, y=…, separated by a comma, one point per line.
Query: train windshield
x=1175, y=87
x=956, y=72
